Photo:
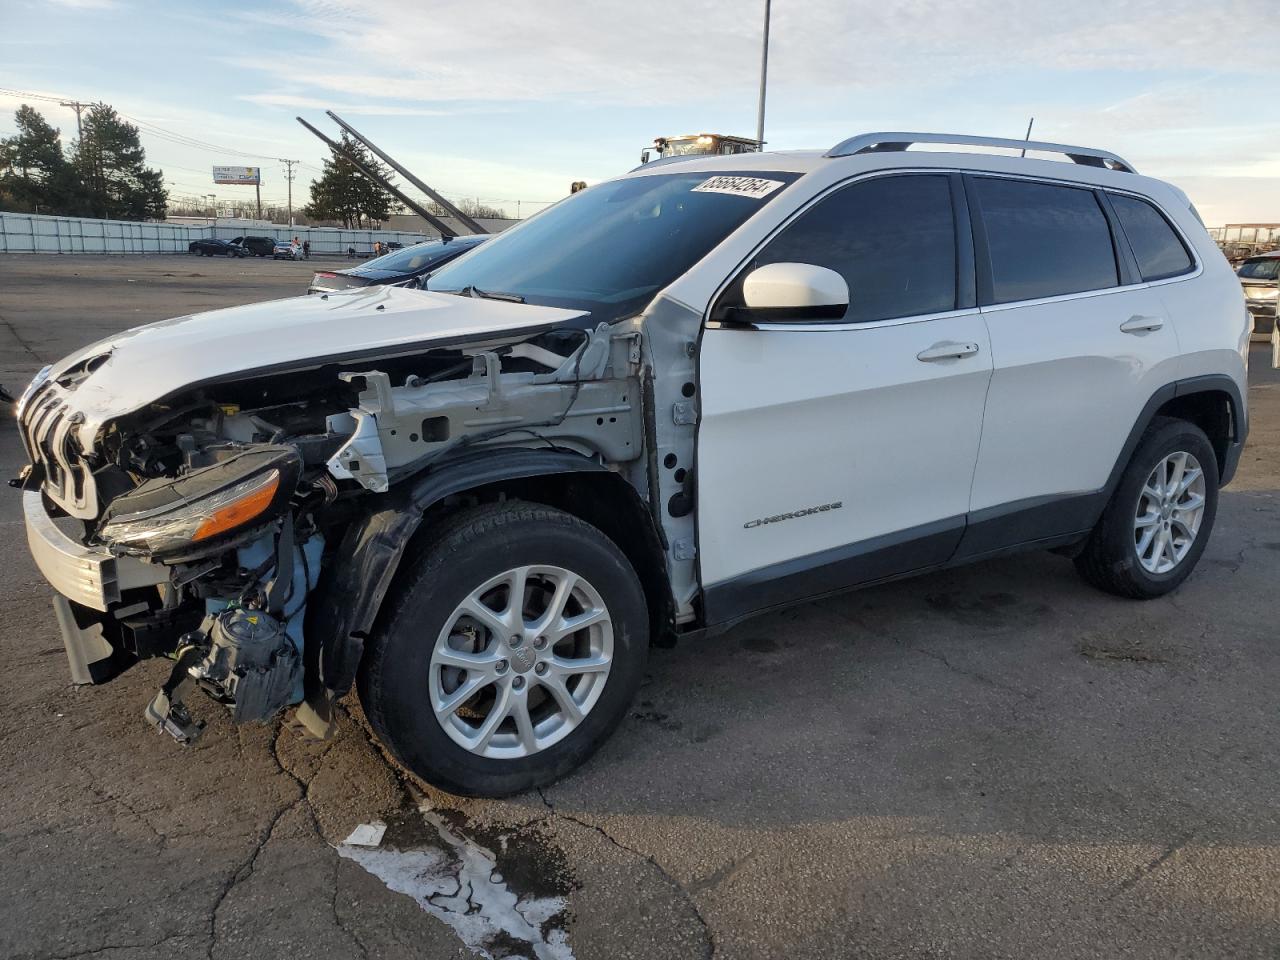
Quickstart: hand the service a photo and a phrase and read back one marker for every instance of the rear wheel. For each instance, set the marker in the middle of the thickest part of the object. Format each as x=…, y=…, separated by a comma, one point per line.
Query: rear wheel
x=1155, y=528
x=510, y=653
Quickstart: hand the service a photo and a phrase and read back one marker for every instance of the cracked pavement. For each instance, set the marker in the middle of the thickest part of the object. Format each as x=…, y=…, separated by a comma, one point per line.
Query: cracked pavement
x=995, y=761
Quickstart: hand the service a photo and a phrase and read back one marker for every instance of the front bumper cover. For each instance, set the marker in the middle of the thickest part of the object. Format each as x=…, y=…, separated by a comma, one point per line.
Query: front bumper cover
x=90, y=576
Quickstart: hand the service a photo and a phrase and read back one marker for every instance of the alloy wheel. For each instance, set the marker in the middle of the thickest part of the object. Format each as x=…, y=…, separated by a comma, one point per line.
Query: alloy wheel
x=521, y=661
x=1169, y=511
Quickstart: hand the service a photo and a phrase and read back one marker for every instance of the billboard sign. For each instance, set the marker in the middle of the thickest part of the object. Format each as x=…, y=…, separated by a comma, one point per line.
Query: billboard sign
x=238, y=176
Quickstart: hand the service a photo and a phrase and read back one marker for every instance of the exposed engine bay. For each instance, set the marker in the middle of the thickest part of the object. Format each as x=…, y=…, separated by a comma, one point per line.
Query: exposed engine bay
x=219, y=509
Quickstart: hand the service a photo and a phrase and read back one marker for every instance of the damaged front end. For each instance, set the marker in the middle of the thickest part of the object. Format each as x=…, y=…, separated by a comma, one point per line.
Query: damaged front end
x=204, y=526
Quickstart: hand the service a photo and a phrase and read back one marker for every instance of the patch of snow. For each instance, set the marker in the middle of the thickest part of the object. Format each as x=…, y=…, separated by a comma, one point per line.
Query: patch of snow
x=366, y=835
x=462, y=886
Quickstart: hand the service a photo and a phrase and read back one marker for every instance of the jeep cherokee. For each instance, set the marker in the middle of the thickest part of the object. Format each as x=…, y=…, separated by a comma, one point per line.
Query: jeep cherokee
x=705, y=389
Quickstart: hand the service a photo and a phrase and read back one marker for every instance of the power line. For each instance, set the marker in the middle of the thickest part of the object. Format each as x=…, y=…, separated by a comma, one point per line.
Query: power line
x=153, y=129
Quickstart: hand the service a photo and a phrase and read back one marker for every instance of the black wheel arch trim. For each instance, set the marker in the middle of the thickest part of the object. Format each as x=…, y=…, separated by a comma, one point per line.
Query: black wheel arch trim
x=361, y=573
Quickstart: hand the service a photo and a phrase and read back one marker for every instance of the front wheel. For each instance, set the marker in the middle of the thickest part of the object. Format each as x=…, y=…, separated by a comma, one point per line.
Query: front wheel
x=1155, y=528
x=511, y=651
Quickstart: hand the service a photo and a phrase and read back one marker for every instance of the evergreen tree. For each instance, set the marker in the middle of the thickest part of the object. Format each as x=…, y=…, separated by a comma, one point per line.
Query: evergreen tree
x=111, y=164
x=34, y=174
x=343, y=193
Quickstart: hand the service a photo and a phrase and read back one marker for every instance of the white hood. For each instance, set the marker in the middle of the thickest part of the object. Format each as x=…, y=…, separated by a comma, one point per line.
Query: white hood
x=147, y=363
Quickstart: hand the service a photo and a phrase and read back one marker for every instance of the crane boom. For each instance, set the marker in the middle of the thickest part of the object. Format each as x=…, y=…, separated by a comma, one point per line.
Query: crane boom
x=444, y=228
x=462, y=218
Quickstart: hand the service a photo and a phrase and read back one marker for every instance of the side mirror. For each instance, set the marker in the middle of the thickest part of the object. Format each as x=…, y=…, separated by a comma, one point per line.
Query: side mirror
x=795, y=292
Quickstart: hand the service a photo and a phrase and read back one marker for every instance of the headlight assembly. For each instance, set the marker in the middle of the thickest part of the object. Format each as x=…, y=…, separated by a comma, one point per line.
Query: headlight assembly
x=204, y=508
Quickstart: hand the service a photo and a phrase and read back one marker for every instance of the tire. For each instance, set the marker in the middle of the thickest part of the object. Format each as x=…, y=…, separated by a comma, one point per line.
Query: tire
x=1110, y=559
x=403, y=685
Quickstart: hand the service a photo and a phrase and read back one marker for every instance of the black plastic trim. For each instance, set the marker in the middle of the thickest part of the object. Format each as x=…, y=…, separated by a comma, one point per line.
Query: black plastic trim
x=985, y=285
x=370, y=552
x=997, y=529
x=816, y=313
x=1127, y=270
x=1212, y=383
x=966, y=282
x=832, y=571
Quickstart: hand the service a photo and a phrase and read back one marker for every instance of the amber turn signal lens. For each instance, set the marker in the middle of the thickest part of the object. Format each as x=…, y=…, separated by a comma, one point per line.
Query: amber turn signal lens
x=256, y=498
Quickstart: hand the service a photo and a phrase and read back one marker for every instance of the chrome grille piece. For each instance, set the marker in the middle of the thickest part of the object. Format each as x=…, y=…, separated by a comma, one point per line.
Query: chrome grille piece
x=47, y=424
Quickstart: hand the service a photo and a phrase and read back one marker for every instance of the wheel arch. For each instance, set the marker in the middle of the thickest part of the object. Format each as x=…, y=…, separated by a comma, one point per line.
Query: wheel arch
x=1213, y=403
x=365, y=564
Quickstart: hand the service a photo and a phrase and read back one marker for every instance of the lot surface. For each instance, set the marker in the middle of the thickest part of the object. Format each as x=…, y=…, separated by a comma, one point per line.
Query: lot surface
x=990, y=762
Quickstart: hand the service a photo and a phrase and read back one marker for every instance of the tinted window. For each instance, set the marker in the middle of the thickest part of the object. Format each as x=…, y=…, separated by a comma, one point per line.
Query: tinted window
x=610, y=248
x=1159, y=251
x=1045, y=240
x=420, y=255
x=1268, y=269
x=893, y=240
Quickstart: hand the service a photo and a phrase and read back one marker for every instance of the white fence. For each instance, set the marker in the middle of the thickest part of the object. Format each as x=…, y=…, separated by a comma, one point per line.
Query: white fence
x=34, y=233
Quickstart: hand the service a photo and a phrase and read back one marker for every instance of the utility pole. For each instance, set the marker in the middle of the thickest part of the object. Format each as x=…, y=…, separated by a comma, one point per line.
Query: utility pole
x=77, y=106
x=764, y=74
x=288, y=166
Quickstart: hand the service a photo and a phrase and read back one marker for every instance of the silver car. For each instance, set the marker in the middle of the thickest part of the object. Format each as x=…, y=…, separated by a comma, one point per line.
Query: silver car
x=1258, y=275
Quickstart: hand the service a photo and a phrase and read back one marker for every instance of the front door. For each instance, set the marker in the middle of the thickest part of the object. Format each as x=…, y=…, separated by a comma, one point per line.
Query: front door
x=839, y=453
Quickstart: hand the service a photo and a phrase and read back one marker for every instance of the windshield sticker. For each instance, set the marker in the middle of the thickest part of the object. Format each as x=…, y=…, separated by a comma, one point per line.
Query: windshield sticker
x=741, y=186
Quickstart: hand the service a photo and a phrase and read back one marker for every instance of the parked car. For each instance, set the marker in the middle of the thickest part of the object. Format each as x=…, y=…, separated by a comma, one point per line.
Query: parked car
x=399, y=266
x=704, y=390
x=215, y=248
x=1259, y=277
x=286, y=250
x=258, y=246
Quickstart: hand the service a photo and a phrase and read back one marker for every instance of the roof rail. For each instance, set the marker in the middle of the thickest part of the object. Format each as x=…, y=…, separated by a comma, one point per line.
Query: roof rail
x=895, y=142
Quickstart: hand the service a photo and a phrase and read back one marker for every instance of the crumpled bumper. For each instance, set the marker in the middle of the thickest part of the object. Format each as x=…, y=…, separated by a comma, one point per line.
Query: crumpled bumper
x=90, y=576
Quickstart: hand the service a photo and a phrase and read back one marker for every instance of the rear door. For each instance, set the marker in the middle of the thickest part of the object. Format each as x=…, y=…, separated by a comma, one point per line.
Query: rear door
x=836, y=453
x=1080, y=345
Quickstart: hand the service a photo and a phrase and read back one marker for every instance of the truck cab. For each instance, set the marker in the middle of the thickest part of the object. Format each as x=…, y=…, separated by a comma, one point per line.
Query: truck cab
x=698, y=145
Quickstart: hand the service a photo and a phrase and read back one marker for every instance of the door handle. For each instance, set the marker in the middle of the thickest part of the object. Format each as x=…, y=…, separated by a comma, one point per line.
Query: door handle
x=1140, y=324
x=947, y=350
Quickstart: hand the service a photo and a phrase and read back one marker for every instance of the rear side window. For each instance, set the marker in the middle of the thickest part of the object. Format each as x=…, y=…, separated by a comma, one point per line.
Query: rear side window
x=1044, y=240
x=1159, y=251
x=891, y=238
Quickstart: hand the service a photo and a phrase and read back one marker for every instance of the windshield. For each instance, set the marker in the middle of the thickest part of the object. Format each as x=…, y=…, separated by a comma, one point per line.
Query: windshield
x=1268, y=269
x=419, y=255
x=610, y=248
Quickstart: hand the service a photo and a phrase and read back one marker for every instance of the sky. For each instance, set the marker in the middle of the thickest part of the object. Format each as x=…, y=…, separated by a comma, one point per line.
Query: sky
x=512, y=101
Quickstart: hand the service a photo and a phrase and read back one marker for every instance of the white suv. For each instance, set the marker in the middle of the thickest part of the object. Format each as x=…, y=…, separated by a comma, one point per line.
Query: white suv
x=703, y=390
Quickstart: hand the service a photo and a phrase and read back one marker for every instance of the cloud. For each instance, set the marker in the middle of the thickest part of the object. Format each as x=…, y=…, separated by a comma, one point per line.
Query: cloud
x=88, y=4
x=295, y=102
x=671, y=50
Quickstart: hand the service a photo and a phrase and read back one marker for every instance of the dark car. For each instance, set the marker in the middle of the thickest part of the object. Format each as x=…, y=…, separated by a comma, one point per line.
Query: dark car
x=216, y=248
x=1260, y=277
x=397, y=266
x=258, y=246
